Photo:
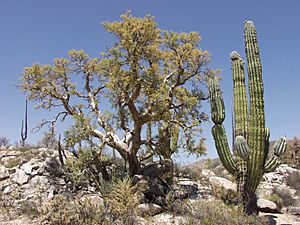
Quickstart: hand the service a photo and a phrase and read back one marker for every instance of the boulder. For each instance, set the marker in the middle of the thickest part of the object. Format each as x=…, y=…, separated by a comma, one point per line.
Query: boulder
x=207, y=173
x=20, y=177
x=149, y=209
x=185, y=189
x=30, y=166
x=4, y=173
x=222, y=182
x=267, y=206
x=294, y=210
x=94, y=200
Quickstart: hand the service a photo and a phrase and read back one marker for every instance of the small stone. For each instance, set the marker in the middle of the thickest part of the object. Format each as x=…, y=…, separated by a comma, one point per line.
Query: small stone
x=10, y=188
x=267, y=206
x=294, y=210
x=93, y=199
x=20, y=177
x=222, y=182
x=4, y=174
x=207, y=173
x=149, y=209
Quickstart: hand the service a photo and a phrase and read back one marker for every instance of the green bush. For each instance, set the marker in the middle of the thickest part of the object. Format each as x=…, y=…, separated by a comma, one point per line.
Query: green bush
x=122, y=202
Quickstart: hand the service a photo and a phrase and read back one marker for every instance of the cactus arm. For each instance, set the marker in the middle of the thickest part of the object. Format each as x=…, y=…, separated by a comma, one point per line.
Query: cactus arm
x=267, y=145
x=216, y=102
x=241, y=147
x=221, y=143
x=240, y=95
x=218, y=130
x=274, y=161
x=280, y=146
x=272, y=164
x=240, y=115
x=256, y=139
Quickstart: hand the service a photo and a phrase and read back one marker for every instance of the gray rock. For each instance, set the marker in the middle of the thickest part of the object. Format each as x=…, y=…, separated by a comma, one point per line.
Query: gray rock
x=10, y=188
x=185, y=189
x=10, y=148
x=267, y=206
x=20, y=177
x=4, y=184
x=222, y=182
x=4, y=173
x=294, y=210
x=30, y=166
x=207, y=173
x=39, y=181
x=93, y=199
x=149, y=209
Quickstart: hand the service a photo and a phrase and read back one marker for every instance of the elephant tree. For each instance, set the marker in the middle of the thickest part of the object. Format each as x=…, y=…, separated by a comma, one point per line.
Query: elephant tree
x=148, y=76
x=251, y=138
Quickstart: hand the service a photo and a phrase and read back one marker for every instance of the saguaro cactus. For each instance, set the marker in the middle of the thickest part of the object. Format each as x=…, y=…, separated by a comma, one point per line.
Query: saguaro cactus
x=250, y=159
x=24, y=127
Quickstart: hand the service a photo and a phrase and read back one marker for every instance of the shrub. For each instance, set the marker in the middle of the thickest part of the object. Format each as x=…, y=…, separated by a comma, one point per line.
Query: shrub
x=122, y=202
x=4, y=141
x=285, y=195
x=28, y=208
x=64, y=210
x=293, y=180
x=276, y=199
x=216, y=212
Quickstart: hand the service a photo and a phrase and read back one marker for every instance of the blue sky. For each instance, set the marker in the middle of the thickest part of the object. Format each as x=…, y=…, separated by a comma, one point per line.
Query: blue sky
x=35, y=31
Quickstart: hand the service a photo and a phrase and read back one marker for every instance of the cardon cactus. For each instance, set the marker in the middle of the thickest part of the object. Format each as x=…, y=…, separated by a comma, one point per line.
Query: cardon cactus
x=250, y=159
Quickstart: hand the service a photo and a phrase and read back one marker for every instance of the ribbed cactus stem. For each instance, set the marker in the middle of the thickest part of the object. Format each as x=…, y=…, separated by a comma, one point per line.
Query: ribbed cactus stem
x=251, y=138
x=221, y=143
x=241, y=147
x=280, y=146
x=256, y=139
x=240, y=115
x=272, y=164
x=239, y=95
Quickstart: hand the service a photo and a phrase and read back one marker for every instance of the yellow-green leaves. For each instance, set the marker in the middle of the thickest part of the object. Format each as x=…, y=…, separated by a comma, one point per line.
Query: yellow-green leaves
x=147, y=76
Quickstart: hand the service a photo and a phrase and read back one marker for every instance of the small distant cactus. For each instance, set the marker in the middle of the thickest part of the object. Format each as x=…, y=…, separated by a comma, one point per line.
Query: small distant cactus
x=251, y=138
x=24, y=126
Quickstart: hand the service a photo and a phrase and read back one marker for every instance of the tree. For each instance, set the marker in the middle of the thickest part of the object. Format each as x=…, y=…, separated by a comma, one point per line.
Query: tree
x=148, y=76
x=4, y=141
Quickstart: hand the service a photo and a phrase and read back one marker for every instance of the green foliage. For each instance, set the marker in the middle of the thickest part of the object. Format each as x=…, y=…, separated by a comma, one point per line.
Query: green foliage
x=122, y=202
x=147, y=76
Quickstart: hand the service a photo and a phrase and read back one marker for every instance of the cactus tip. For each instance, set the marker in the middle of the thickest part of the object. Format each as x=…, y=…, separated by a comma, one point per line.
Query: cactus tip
x=234, y=55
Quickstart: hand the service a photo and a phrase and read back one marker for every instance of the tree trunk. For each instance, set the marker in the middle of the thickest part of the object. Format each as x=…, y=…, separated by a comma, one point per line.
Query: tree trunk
x=250, y=202
x=169, y=176
x=134, y=164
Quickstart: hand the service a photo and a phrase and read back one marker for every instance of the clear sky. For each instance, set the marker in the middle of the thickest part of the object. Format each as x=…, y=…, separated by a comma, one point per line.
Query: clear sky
x=35, y=31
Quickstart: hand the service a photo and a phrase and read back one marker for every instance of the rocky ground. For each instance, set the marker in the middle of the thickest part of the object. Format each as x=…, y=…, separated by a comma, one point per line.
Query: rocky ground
x=35, y=176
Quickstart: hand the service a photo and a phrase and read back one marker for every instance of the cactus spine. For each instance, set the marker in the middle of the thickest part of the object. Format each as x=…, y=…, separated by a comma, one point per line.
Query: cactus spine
x=251, y=138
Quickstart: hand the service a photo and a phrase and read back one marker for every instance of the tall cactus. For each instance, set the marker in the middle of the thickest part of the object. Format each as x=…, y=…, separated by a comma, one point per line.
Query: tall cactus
x=251, y=139
x=24, y=127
